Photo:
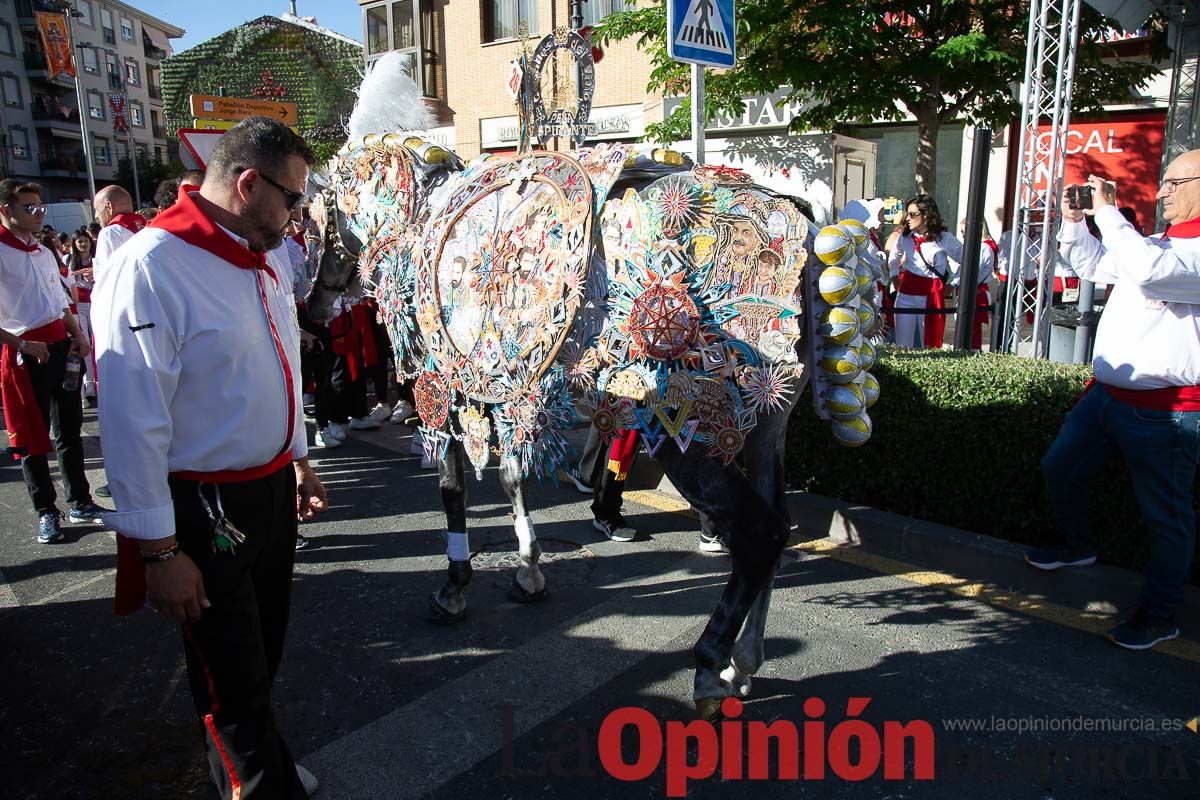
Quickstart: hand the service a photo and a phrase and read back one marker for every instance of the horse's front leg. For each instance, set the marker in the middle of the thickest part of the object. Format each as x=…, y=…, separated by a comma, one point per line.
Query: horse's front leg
x=747, y=657
x=529, y=584
x=449, y=604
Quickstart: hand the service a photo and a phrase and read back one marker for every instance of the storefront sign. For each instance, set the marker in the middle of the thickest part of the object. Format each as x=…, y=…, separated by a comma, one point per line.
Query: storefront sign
x=763, y=112
x=610, y=122
x=1126, y=149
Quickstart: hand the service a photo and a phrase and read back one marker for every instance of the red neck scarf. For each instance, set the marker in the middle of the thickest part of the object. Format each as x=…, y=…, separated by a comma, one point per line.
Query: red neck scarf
x=129, y=221
x=9, y=238
x=188, y=222
x=918, y=240
x=1183, y=230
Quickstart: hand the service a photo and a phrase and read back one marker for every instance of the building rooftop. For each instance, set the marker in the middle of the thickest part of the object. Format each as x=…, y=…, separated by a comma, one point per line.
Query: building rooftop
x=311, y=24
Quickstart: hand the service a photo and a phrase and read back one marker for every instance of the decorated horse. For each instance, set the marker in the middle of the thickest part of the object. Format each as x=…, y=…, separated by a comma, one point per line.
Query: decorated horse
x=686, y=304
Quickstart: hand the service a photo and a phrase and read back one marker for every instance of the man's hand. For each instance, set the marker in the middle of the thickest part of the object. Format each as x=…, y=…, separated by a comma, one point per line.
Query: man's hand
x=176, y=588
x=80, y=347
x=308, y=341
x=310, y=494
x=38, y=351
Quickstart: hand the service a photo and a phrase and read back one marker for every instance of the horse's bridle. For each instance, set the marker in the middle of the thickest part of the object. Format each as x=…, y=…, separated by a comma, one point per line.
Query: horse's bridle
x=333, y=239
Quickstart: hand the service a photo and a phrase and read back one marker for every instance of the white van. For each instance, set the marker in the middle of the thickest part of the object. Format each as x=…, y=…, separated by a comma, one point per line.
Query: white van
x=69, y=217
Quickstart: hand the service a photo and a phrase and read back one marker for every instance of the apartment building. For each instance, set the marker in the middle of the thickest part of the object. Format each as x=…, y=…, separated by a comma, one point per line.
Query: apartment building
x=117, y=49
x=461, y=53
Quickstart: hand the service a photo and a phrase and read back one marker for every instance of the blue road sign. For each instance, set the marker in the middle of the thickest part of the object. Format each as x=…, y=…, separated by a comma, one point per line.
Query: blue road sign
x=701, y=32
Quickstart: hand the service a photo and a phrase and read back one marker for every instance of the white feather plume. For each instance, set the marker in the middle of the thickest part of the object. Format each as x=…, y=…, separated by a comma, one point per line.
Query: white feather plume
x=388, y=100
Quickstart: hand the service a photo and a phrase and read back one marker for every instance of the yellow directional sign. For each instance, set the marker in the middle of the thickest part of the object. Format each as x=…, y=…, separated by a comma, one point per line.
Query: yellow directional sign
x=206, y=106
x=1193, y=725
x=220, y=124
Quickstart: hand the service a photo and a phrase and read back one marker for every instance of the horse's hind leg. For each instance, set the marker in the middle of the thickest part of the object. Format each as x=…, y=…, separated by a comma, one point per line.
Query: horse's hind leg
x=449, y=604
x=747, y=656
x=529, y=584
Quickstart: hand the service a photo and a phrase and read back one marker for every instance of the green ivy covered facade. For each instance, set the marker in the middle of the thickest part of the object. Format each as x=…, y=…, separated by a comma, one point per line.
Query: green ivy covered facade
x=271, y=59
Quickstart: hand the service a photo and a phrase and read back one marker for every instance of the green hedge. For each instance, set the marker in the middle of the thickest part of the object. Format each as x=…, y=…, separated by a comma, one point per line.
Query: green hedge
x=959, y=440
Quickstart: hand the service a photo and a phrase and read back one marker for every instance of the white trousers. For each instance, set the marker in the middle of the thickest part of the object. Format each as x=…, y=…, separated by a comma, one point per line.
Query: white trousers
x=85, y=324
x=910, y=328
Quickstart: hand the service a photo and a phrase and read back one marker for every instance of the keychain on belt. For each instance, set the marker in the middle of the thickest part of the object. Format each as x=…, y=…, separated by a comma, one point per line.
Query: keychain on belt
x=226, y=536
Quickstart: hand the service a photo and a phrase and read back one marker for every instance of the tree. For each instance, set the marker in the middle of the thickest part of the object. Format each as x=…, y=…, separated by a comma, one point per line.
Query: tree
x=853, y=64
x=150, y=173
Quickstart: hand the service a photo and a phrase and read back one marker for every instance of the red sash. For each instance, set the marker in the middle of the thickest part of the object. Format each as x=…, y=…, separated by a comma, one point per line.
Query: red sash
x=1168, y=398
x=1061, y=283
x=28, y=433
x=352, y=337
x=935, y=324
x=620, y=455
x=1189, y=229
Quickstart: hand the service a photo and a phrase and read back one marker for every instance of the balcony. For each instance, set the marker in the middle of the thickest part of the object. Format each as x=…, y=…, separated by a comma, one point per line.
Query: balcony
x=38, y=69
x=64, y=164
x=50, y=114
x=35, y=59
x=154, y=53
x=155, y=93
x=159, y=131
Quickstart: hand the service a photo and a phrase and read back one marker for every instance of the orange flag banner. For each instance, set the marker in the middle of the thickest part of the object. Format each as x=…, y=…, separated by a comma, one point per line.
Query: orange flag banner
x=57, y=42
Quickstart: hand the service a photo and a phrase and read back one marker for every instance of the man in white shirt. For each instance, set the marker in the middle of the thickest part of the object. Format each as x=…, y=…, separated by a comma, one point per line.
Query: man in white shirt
x=1145, y=400
x=114, y=211
x=40, y=334
x=207, y=452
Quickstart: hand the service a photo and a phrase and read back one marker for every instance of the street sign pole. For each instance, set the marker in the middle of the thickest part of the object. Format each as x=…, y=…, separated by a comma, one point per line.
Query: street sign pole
x=83, y=113
x=698, y=120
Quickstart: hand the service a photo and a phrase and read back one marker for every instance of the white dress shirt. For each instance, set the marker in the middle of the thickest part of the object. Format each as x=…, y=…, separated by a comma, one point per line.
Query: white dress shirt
x=1149, y=334
x=938, y=258
x=31, y=291
x=199, y=386
x=108, y=242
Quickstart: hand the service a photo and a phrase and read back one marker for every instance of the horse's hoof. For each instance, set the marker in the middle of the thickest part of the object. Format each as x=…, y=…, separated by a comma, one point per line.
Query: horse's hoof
x=440, y=616
x=709, y=709
x=738, y=682
x=518, y=594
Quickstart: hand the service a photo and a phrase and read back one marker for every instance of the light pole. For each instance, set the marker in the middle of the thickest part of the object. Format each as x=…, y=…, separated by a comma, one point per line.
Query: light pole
x=69, y=12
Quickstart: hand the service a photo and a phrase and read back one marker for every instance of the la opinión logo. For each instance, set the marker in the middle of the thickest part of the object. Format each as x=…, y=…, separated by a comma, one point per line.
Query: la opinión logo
x=853, y=749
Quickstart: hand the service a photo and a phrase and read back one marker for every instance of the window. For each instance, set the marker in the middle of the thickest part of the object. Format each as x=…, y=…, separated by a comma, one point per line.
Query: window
x=111, y=62
x=137, y=114
x=377, y=30
x=6, y=40
x=403, y=28
x=12, y=91
x=84, y=7
x=502, y=18
x=19, y=138
x=106, y=18
x=100, y=150
x=95, y=102
x=127, y=29
x=122, y=150
x=90, y=63
x=140, y=149
x=596, y=10
x=131, y=72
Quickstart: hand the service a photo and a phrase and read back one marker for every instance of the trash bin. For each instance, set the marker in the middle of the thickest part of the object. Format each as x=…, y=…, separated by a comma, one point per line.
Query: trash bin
x=1065, y=321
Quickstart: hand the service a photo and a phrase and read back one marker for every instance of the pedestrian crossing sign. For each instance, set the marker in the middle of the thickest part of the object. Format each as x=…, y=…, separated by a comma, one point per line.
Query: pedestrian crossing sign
x=701, y=32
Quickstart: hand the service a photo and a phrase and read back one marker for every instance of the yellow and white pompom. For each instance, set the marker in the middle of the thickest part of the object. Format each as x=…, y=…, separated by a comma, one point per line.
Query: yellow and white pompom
x=867, y=355
x=854, y=431
x=833, y=245
x=839, y=324
x=864, y=277
x=837, y=285
x=839, y=364
x=845, y=401
x=868, y=313
x=870, y=387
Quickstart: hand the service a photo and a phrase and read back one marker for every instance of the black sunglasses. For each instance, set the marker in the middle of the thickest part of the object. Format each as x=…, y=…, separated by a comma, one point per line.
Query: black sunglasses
x=293, y=198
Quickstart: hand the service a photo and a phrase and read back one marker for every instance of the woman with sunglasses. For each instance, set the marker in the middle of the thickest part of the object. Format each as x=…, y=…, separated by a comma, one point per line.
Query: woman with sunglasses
x=921, y=264
x=79, y=262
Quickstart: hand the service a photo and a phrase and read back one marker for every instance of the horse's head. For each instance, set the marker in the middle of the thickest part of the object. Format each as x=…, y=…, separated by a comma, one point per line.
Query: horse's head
x=333, y=252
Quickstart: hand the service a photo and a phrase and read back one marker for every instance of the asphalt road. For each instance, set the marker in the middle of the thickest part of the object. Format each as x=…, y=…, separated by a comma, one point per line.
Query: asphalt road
x=511, y=703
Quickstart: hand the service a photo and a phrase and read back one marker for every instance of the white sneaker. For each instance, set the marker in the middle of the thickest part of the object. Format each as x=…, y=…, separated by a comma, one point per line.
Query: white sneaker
x=417, y=448
x=363, y=424
x=336, y=430
x=402, y=410
x=380, y=413
x=326, y=439
x=307, y=780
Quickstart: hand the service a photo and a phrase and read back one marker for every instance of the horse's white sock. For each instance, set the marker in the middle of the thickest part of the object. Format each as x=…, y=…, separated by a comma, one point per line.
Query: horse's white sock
x=525, y=535
x=458, y=546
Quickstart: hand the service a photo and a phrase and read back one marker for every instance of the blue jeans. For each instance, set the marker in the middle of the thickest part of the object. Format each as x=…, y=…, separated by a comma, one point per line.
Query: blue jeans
x=1161, y=449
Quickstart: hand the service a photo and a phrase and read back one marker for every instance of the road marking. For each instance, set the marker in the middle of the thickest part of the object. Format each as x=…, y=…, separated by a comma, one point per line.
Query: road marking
x=108, y=573
x=974, y=590
x=454, y=726
x=988, y=593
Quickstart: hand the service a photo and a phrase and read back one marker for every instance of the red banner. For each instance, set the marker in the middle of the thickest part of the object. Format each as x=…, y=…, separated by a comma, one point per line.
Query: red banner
x=57, y=42
x=1127, y=149
x=116, y=104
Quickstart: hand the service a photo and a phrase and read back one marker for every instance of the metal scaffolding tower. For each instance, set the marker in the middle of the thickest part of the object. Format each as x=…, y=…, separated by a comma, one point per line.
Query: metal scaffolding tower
x=1182, y=115
x=1049, y=79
